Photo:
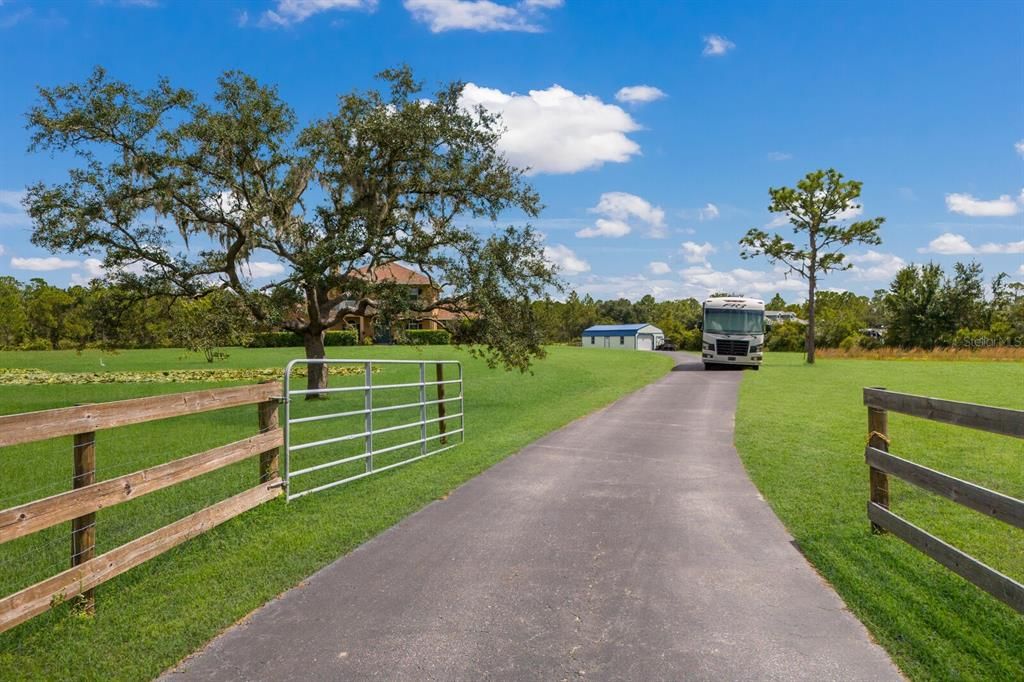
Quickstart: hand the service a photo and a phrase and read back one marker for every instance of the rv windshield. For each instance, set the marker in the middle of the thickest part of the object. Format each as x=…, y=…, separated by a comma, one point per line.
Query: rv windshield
x=732, y=321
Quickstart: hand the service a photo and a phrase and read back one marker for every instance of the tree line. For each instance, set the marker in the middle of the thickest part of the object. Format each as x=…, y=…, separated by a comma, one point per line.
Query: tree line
x=923, y=307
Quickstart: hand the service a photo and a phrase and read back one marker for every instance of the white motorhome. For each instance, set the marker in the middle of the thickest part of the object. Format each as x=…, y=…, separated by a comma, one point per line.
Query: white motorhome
x=732, y=332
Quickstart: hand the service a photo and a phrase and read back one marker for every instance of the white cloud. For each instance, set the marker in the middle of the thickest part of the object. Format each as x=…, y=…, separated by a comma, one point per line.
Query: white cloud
x=739, y=281
x=260, y=269
x=11, y=198
x=967, y=205
x=618, y=209
x=850, y=213
x=11, y=212
x=638, y=94
x=949, y=244
x=605, y=228
x=1019, y=146
x=709, y=212
x=3, y=249
x=288, y=12
x=13, y=19
x=697, y=253
x=846, y=214
x=633, y=287
x=1006, y=248
x=557, y=131
x=873, y=265
x=659, y=268
x=622, y=205
x=716, y=46
x=1020, y=270
x=779, y=156
x=565, y=259
x=43, y=264
x=94, y=268
x=480, y=15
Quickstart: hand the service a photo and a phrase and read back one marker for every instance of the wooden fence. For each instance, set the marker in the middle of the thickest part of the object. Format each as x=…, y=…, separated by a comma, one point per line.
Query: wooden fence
x=883, y=464
x=88, y=496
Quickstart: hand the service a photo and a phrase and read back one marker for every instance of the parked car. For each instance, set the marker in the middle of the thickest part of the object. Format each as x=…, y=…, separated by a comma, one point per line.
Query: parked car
x=667, y=345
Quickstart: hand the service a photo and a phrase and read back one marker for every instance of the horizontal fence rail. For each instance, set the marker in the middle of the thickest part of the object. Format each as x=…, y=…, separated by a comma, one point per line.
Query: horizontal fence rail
x=882, y=464
x=80, y=505
x=999, y=420
x=82, y=578
x=66, y=421
x=449, y=424
x=1006, y=509
x=1003, y=588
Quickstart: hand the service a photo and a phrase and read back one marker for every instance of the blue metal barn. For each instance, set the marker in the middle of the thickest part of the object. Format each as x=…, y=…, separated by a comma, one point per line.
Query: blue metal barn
x=623, y=336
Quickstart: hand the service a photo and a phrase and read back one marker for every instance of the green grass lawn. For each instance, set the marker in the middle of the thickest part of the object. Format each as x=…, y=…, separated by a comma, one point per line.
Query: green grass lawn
x=155, y=614
x=801, y=433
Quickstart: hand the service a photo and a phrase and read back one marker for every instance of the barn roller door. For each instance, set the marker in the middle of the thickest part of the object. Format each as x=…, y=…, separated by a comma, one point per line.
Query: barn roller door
x=645, y=342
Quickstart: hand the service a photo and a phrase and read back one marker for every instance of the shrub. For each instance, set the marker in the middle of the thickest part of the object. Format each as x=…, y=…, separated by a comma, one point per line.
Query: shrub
x=851, y=342
x=274, y=340
x=34, y=344
x=427, y=337
x=690, y=339
x=346, y=337
x=786, y=337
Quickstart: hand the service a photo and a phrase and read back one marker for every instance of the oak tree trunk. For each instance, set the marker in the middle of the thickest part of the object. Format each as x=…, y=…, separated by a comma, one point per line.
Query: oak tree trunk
x=316, y=373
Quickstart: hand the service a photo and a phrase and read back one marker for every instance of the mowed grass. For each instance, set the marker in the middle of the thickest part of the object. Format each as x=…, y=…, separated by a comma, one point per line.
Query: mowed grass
x=801, y=433
x=154, y=615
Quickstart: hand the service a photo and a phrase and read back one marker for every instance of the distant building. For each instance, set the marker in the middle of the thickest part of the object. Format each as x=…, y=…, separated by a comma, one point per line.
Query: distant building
x=419, y=288
x=772, y=317
x=623, y=336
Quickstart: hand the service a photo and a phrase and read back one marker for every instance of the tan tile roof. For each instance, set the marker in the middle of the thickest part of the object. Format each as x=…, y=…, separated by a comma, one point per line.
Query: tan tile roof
x=395, y=272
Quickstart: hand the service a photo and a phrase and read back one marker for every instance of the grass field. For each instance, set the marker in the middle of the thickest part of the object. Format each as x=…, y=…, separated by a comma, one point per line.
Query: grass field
x=801, y=433
x=152, y=616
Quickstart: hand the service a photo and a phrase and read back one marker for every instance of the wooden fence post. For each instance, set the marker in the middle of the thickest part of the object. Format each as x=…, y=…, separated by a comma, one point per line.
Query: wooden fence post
x=878, y=437
x=83, y=528
x=269, y=462
x=441, y=409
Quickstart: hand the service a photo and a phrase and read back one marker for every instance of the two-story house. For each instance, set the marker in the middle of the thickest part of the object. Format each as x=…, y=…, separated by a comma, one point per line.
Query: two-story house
x=419, y=288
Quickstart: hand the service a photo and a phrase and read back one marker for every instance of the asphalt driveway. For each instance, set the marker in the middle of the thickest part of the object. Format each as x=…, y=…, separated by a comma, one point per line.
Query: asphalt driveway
x=629, y=545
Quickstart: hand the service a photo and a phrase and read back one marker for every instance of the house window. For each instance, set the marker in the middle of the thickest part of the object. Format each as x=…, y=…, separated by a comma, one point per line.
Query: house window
x=414, y=293
x=622, y=340
x=412, y=324
x=593, y=340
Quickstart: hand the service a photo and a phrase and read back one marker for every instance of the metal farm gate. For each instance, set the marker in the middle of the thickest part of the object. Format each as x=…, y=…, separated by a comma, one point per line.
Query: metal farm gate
x=361, y=423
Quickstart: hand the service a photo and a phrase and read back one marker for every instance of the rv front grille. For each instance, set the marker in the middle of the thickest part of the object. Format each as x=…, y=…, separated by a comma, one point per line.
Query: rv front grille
x=731, y=347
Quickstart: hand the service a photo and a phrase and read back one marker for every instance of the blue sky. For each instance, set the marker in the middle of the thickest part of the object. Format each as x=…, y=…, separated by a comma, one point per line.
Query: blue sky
x=647, y=189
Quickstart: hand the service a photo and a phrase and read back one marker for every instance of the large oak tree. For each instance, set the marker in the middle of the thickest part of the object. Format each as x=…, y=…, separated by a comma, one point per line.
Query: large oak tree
x=178, y=196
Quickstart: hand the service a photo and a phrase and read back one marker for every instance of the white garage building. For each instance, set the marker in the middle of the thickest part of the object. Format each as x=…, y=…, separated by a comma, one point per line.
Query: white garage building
x=623, y=336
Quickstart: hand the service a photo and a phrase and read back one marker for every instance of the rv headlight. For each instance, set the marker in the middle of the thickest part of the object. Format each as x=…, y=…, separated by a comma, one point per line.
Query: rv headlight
x=709, y=346
x=756, y=349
